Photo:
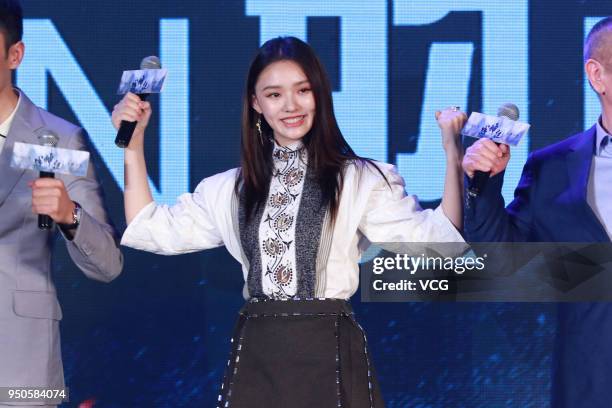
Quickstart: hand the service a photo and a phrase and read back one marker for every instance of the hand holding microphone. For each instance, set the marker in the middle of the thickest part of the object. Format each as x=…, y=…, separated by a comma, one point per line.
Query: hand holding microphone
x=132, y=109
x=490, y=154
x=486, y=156
x=50, y=199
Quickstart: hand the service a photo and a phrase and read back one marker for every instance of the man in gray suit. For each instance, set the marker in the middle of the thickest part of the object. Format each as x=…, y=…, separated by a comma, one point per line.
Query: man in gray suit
x=29, y=310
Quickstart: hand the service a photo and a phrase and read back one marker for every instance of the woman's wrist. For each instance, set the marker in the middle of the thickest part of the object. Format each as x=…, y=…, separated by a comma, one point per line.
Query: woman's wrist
x=133, y=154
x=453, y=152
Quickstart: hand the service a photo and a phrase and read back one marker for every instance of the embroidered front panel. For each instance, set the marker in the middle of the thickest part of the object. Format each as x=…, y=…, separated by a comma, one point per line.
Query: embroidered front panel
x=277, y=228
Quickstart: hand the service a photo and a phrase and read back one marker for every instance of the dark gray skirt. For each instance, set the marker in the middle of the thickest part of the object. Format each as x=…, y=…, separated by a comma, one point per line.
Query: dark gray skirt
x=299, y=353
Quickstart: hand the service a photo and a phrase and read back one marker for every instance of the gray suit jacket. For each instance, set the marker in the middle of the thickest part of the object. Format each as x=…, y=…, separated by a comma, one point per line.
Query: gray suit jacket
x=29, y=310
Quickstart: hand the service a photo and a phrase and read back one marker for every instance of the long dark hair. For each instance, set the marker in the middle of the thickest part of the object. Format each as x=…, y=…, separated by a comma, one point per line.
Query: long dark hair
x=328, y=151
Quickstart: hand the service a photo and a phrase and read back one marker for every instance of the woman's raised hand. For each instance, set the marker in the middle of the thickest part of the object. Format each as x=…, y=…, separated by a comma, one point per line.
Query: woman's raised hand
x=451, y=121
x=132, y=109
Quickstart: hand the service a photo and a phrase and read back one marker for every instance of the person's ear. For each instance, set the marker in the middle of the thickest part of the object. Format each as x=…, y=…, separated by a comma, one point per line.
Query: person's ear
x=255, y=104
x=594, y=72
x=15, y=54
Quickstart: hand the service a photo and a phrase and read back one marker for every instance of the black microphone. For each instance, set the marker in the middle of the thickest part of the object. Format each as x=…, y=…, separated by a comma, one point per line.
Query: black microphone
x=50, y=139
x=126, y=129
x=480, y=179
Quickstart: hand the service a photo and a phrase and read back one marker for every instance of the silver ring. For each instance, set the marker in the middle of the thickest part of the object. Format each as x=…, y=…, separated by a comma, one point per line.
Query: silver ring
x=455, y=108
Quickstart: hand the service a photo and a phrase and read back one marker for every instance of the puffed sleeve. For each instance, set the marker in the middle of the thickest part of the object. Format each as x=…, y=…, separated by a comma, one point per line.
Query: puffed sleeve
x=187, y=226
x=393, y=216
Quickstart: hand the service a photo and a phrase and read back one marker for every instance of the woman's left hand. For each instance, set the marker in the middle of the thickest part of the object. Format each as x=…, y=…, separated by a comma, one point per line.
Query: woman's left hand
x=451, y=121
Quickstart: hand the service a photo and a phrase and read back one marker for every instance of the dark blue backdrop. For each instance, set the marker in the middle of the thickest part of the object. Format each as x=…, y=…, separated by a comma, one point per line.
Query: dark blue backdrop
x=158, y=335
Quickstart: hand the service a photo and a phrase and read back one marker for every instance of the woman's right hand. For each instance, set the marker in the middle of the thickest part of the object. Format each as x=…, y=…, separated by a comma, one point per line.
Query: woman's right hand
x=132, y=109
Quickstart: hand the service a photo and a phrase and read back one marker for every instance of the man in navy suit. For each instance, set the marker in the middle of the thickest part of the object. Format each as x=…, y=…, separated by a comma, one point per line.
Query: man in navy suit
x=564, y=195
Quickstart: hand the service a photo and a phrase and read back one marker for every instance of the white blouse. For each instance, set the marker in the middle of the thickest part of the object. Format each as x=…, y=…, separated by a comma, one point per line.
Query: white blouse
x=370, y=210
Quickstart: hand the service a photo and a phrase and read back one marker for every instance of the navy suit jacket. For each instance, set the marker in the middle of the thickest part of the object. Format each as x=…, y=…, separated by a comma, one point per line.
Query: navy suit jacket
x=550, y=206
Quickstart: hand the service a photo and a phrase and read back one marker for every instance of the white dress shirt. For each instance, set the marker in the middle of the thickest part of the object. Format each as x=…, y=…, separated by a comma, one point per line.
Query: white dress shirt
x=6, y=125
x=599, y=189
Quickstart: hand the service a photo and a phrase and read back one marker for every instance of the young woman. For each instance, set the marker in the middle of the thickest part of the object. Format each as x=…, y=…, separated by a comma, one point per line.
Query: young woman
x=297, y=215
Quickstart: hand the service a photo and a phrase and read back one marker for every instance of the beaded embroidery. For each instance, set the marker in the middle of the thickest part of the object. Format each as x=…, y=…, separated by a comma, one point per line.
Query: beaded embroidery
x=277, y=228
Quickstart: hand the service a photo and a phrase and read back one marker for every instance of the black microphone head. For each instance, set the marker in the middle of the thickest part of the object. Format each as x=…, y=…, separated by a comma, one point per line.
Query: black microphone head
x=46, y=137
x=151, y=62
x=509, y=110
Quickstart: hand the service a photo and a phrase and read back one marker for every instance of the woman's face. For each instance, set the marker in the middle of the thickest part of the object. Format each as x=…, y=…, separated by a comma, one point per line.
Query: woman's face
x=284, y=97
